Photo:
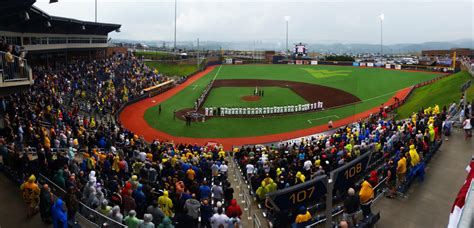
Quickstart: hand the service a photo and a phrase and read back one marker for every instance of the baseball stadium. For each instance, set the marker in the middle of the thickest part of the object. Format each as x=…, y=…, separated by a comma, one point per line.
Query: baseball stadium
x=135, y=123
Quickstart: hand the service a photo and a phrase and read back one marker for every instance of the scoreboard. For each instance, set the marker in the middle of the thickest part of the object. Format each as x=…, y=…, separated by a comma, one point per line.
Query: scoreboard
x=300, y=50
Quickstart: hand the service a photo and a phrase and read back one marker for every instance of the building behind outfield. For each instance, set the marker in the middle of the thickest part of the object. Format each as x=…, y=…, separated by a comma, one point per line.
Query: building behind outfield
x=460, y=52
x=48, y=39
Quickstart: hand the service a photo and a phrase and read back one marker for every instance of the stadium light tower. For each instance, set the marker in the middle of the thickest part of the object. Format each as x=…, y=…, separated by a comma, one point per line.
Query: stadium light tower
x=175, y=9
x=287, y=19
x=382, y=18
x=95, y=11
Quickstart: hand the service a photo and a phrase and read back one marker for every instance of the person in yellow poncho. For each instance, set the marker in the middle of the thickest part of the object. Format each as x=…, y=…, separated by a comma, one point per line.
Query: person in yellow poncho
x=414, y=157
x=261, y=191
x=221, y=154
x=366, y=195
x=432, y=133
x=303, y=216
x=31, y=195
x=165, y=204
x=300, y=178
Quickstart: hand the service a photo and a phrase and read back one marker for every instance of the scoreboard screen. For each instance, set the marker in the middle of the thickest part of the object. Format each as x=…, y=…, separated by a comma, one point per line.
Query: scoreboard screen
x=300, y=49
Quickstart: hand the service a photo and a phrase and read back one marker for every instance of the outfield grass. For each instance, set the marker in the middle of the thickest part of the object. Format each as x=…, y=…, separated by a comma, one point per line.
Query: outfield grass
x=169, y=69
x=231, y=97
x=442, y=92
x=373, y=86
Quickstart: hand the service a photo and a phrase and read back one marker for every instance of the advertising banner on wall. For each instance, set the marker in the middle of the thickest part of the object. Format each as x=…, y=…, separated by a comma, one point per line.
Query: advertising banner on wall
x=238, y=61
x=398, y=67
x=387, y=66
x=228, y=61
x=362, y=64
x=356, y=64
x=314, y=62
x=299, y=62
x=370, y=64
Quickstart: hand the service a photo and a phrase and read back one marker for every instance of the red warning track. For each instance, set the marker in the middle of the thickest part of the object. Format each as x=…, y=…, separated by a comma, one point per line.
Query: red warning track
x=132, y=118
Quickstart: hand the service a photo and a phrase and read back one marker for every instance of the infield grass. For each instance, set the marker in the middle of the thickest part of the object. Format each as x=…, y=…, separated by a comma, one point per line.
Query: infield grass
x=231, y=97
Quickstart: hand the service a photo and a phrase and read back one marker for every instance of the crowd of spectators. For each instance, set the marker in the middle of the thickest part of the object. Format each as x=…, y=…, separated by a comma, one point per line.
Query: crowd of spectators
x=66, y=120
x=400, y=144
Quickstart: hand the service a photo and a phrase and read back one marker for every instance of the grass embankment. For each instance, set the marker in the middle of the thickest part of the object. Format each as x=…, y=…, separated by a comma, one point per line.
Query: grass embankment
x=173, y=69
x=442, y=92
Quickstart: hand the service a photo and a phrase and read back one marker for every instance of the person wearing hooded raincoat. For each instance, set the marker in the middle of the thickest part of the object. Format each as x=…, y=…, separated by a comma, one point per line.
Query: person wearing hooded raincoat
x=131, y=220
x=166, y=223
x=59, y=214
x=31, y=194
x=234, y=210
x=303, y=217
x=166, y=204
x=414, y=157
x=366, y=195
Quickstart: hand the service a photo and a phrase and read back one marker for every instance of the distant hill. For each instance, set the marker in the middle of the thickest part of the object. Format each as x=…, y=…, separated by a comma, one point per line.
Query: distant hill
x=314, y=47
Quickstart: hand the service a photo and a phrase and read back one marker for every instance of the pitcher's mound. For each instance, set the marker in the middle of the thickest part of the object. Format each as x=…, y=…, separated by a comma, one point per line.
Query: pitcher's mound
x=250, y=98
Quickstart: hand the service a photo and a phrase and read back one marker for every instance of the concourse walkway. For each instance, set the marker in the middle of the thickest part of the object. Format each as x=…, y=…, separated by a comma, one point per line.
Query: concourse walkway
x=13, y=209
x=428, y=204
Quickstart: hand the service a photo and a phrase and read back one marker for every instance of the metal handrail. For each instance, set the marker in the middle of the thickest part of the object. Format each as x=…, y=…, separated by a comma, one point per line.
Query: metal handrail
x=84, y=207
x=18, y=70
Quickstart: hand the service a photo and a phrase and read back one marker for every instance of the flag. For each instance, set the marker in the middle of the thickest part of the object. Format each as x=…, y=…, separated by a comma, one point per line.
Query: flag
x=458, y=206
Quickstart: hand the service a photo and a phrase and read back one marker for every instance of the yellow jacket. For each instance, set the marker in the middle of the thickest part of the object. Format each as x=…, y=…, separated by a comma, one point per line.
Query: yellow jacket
x=303, y=217
x=165, y=204
x=414, y=157
x=366, y=193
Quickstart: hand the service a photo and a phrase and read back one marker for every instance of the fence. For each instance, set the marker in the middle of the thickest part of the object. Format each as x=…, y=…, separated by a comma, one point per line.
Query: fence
x=15, y=69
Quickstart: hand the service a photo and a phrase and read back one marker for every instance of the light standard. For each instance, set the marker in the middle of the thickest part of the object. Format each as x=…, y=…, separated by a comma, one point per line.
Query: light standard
x=287, y=19
x=381, y=17
x=175, y=9
x=95, y=11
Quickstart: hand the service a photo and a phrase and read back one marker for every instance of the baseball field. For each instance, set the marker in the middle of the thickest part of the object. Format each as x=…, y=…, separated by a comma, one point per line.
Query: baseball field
x=345, y=91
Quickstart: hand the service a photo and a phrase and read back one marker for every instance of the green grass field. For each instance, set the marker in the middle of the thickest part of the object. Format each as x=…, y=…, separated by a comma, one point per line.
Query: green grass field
x=231, y=97
x=157, y=55
x=168, y=69
x=372, y=85
x=442, y=92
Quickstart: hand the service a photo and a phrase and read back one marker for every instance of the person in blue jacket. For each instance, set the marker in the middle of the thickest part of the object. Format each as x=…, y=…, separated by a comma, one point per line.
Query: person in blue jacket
x=59, y=214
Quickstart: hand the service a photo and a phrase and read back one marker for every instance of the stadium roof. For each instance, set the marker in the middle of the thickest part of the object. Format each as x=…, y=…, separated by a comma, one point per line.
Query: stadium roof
x=22, y=16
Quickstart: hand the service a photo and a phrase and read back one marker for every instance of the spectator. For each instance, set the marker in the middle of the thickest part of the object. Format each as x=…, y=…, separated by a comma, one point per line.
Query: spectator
x=467, y=126
x=351, y=206
x=72, y=203
x=233, y=210
x=115, y=214
x=206, y=214
x=401, y=169
x=31, y=192
x=219, y=219
x=166, y=223
x=366, y=195
x=303, y=217
x=192, y=207
x=165, y=204
x=59, y=214
x=218, y=193
x=131, y=220
x=156, y=212
x=45, y=204
x=391, y=174
x=147, y=222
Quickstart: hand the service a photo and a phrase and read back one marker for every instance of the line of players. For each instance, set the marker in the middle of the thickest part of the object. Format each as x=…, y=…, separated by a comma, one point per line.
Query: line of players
x=221, y=111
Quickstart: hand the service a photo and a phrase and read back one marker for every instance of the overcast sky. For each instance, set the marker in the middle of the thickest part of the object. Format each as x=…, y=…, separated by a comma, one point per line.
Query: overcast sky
x=323, y=21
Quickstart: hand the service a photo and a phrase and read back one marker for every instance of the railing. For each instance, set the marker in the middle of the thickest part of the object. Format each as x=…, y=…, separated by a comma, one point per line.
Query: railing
x=87, y=214
x=15, y=69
